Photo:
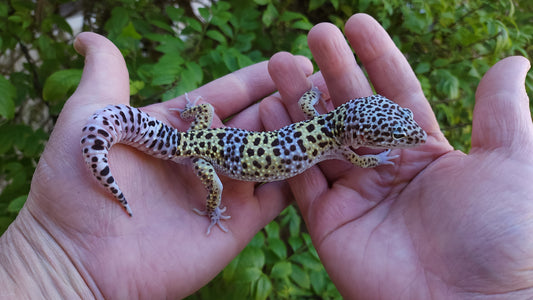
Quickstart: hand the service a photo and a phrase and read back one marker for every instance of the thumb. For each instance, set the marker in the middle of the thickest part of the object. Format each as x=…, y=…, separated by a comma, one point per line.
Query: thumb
x=105, y=77
x=501, y=114
x=104, y=81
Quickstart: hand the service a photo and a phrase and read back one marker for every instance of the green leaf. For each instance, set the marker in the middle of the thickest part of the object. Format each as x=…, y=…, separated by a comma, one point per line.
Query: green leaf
x=15, y=174
x=228, y=273
x=314, y=4
x=250, y=257
x=3, y=10
x=250, y=274
x=270, y=14
x=296, y=243
x=6, y=140
x=174, y=13
x=258, y=241
x=229, y=59
x=422, y=68
x=61, y=84
x=226, y=30
x=272, y=230
x=136, y=86
x=15, y=18
x=281, y=269
x=7, y=94
x=278, y=247
x=119, y=19
x=263, y=287
x=447, y=83
x=190, y=79
x=16, y=204
x=308, y=260
x=129, y=31
x=216, y=35
x=303, y=25
x=205, y=13
x=441, y=62
x=167, y=69
x=194, y=24
x=319, y=281
x=244, y=61
x=300, y=277
x=168, y=44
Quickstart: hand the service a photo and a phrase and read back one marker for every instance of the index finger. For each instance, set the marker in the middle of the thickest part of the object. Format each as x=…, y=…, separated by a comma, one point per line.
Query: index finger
x=389, y=71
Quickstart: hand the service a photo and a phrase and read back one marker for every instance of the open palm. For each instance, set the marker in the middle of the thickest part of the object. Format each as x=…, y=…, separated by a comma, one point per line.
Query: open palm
x=162, y=251
x=437, y=224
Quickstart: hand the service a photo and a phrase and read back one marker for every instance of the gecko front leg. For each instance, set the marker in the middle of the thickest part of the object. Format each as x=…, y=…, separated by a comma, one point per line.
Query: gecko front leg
x=369, y=160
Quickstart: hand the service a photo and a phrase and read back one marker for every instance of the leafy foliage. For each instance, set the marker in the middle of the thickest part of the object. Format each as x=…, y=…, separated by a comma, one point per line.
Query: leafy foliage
x=171, y=47
x=279, y=263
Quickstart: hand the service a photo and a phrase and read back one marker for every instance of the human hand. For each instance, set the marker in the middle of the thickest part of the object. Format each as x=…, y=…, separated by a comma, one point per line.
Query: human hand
x=437, y=224
x=91, y=246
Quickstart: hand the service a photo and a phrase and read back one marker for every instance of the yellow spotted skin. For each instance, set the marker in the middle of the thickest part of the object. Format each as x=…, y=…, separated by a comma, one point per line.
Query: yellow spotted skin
x=374, y=122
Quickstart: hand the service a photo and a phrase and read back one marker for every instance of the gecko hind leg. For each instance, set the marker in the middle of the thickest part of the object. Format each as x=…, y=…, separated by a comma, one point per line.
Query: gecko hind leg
x=308, y=100
x=206, y=173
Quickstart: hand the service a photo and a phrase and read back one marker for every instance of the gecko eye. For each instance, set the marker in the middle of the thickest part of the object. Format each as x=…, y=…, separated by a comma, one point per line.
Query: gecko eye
x=398, y=135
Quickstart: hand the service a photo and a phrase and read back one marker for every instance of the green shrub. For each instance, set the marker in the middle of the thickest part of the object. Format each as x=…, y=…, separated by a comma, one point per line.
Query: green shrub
x=170, y=49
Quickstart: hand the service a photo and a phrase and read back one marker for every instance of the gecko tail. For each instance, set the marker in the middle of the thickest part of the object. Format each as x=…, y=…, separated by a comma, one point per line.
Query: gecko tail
x=123, y=124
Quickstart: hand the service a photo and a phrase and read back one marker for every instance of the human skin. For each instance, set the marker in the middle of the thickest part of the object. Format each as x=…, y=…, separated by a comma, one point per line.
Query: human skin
x=437, y=224
x=440, y=223
x=74, y=238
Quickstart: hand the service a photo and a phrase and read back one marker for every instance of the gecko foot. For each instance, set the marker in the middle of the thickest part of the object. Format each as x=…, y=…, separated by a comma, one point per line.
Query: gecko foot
x=188, y=105
x=385, y=159
x=216, y=217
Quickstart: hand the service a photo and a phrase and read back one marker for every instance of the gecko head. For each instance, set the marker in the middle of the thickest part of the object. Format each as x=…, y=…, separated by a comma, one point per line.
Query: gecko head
x=378, y=122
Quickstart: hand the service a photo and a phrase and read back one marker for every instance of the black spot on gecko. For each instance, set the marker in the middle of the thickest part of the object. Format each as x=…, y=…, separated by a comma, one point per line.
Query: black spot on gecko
x=250, y=152
x=105, y=171
x=124, y=119
x=301, y=145
x=98, y=145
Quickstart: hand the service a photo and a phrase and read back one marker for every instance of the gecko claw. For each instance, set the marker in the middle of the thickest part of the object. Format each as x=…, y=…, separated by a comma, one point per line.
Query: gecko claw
x=385, y=159
x=216, y=217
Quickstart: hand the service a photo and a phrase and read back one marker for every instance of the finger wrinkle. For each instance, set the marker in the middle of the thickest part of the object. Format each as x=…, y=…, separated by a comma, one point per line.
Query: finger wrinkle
x=257, y=86
x=291, y=81
x=330, y=49
x=369, y=40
